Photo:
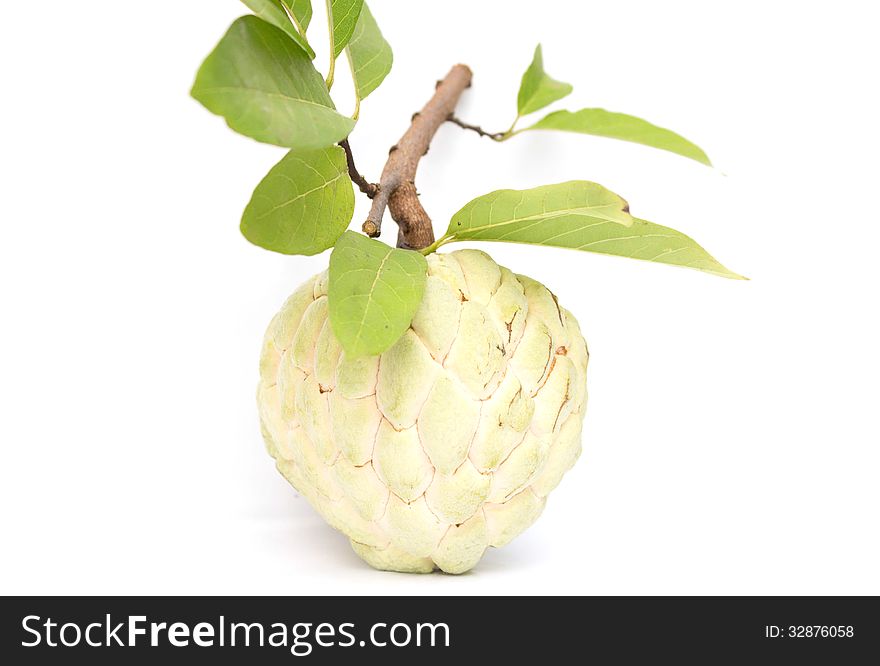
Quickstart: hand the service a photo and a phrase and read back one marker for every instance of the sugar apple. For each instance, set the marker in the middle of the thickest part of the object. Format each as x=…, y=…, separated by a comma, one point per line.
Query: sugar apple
x=446, y=443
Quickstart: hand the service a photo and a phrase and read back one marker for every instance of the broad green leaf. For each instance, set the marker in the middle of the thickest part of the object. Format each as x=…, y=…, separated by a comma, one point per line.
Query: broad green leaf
x=600, y=122
x=344, y=16
x=303, y=204
x=537, y=90
x=267, y=88
x=272, y=11
x=301, y=11
x=581, y=216
x=538, y=215
x=374, y=293
x=369, y=54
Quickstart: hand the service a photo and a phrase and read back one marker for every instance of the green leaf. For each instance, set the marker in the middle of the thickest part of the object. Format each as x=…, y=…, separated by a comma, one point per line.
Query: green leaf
x=344, y=15
x=579, y=215
x=600, y=122
x=538, y=215
x=267, y=88
x=374, y=293
x=303, y=204
x=369, y=55
x=653, y=242
x=301, y=11
x=272, y=11
x=537, y=90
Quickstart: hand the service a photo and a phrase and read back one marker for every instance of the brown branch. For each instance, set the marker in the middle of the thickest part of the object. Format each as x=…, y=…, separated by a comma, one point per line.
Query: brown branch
x=397, y=190
x=495, y=136
x=365, y=186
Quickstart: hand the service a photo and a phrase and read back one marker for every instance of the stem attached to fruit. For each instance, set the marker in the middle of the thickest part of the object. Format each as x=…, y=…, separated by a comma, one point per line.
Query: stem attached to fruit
x=397, y=190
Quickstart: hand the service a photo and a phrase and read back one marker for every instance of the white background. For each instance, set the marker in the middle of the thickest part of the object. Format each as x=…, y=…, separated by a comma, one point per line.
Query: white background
x=731, y=442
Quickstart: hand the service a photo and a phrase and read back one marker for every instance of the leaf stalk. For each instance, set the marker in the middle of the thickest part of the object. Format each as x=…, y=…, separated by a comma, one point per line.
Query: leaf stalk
x=332, y=68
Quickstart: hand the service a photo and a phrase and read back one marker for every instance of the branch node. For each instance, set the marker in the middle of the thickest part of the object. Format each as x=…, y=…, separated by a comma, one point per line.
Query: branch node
x=370, y=229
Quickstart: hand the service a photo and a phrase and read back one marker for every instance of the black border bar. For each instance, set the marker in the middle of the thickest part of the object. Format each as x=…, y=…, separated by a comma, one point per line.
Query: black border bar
x=532, y=630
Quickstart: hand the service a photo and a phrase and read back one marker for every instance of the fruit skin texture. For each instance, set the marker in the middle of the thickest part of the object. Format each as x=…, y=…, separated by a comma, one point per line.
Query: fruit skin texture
x=447, y=443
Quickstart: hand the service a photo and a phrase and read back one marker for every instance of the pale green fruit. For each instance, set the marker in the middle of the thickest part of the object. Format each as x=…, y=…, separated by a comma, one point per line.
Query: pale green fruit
x=447, y=443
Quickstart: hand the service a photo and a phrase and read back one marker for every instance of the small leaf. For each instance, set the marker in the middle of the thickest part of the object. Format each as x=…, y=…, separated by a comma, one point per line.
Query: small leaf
x=267, y=88
x=301, y=11
x=374, y=293
x=369, y=54
x=600, y=122
x=537, y=90
x=579, y=215
x=303, y=204
x=272, y=11
x=344, y=14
